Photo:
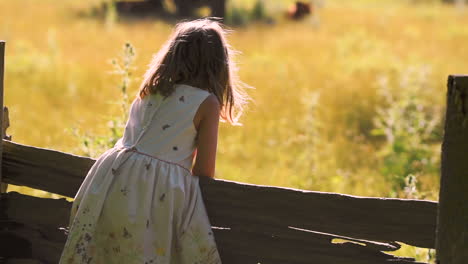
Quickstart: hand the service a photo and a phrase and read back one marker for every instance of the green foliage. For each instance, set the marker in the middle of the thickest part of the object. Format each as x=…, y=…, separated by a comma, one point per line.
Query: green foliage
x=237, y=16
x=123, y=67
x=408, y=121
x=241, y=16
x=310, y=142
x=92, y=145
x=258, y=11
x=111, y=14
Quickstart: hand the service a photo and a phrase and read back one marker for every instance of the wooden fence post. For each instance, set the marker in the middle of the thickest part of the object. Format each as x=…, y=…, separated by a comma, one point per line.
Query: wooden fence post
x=2, y=69
x=452, y=217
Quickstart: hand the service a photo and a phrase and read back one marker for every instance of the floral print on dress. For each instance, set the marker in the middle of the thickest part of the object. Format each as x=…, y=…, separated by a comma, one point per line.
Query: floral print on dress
x=124, y=191
x=204, y=249
x=98, y=243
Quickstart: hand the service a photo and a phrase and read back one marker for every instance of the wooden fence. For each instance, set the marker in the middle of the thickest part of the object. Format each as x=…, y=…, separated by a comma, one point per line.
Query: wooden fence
x=258, y=224
x=252, y=224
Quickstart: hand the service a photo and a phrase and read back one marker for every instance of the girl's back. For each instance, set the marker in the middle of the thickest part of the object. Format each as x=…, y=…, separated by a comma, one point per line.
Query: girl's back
x=163, y=126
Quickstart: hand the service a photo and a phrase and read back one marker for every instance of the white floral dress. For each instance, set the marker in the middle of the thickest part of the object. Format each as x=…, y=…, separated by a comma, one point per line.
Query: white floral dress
x=139, y=203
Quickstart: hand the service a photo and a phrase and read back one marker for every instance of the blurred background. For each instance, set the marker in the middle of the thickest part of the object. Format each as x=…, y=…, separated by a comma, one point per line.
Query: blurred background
x=349, y=95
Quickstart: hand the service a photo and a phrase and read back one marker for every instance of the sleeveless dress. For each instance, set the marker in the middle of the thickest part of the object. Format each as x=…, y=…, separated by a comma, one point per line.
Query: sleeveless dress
x=139, y=203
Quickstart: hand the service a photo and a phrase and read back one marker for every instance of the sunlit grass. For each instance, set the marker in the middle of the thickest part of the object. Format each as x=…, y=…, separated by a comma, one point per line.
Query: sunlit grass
x=58, y=64
x=315, y=77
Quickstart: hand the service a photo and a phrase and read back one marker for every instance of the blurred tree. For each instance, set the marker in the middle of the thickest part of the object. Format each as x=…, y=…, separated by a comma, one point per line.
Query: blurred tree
x=145, y=7
x=184, y=8
x=458, y=2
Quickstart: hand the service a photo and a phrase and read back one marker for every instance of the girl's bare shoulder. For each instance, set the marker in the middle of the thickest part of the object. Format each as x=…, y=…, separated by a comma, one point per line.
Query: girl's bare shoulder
x=210, y=106
x=209, y=110
x=211, y=101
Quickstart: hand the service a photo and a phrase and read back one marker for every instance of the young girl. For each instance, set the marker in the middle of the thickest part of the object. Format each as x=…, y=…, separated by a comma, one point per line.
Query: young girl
x=140, y=202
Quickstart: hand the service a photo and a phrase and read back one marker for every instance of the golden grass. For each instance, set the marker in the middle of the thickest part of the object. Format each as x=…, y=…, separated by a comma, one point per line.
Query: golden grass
x=57, y=78
x=315, y=98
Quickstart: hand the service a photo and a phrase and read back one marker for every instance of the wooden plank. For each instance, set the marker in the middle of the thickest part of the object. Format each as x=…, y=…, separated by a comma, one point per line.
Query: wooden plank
x=240, y=245
x=42, y=249
x=13, y=245
x=5, y=123
x=31, y=228
x=44, y=169
x=378, y=219
x=2, y=70
x=230, y=204
x=452, y=221
x=264, y=248
x=22, y=261
x=4, y=126
x=51, y=214
x=38, y=213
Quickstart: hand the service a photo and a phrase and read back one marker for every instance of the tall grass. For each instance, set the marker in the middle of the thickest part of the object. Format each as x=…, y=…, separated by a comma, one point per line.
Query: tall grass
x=93, y=145
x=411, y=126
x=351, y=106
x=317, y=90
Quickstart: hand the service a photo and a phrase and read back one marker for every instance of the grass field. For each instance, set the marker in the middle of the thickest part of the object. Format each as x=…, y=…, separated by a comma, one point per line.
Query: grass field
x=349, y=101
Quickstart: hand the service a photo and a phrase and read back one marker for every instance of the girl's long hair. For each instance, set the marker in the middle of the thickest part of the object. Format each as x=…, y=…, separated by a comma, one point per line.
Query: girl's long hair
x=198, y=54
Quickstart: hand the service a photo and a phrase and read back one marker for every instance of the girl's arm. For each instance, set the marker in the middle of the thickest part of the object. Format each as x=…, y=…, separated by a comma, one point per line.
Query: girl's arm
x=206, y=121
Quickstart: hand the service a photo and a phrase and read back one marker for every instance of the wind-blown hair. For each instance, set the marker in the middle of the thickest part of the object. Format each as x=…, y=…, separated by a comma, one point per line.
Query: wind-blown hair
x=198, y=54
